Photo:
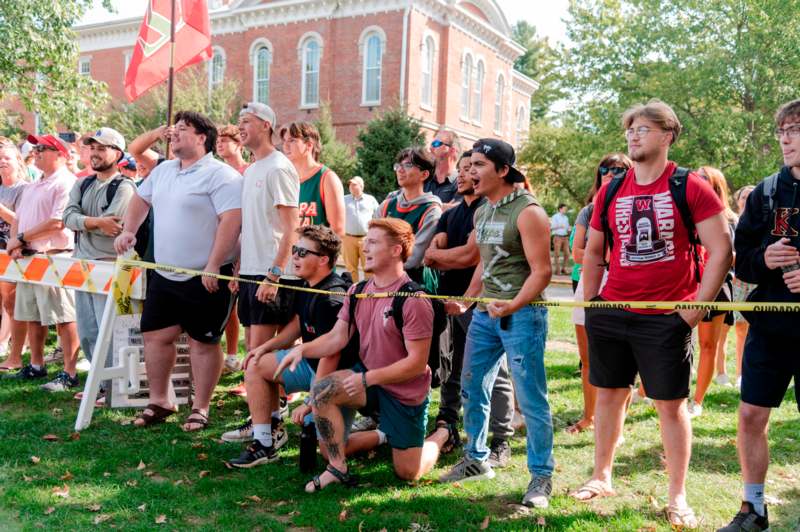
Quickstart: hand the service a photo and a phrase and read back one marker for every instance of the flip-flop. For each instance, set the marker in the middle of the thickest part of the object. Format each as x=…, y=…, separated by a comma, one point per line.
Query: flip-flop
x=196, y=417
x=340, y=477
x=159, y=415
x=681, y=518
x=595, y=488
x=577, y=428
x=9, y=368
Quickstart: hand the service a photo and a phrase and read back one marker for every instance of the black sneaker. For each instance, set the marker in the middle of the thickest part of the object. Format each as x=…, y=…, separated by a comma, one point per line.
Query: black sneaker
x=255, y=454
x=747, y=520
x=279, y=434
x=499, y=453
x=453, y=437
x=27, y=373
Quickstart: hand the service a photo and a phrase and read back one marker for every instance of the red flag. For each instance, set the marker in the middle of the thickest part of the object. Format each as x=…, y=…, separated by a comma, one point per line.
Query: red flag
x=149, y=64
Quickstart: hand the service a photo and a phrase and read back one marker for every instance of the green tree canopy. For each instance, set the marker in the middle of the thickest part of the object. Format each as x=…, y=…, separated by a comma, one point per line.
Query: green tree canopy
x=335, y=154
x=39, y=62
x=540, y=62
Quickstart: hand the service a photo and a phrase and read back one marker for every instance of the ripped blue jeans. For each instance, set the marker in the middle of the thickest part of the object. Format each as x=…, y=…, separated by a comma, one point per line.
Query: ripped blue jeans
x=523, y=340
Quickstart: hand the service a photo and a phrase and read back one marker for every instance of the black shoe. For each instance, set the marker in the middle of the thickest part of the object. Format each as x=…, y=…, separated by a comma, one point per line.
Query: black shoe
x=499, y=453
x=255, y=454
x=279, y=434
x=27, y=373
x=747, y=520
x=453, y=437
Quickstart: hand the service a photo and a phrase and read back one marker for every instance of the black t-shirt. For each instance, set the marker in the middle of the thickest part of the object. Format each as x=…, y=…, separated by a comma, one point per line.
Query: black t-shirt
x=447, y=191
x=318, y=314
x=458, y=224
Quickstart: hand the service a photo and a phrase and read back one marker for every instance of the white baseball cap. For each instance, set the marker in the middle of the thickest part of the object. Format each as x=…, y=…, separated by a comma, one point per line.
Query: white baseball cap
x=260, y=110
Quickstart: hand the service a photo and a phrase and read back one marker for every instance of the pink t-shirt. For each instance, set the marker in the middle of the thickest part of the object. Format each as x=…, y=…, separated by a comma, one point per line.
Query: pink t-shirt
x=45, y=200
x=380, y=341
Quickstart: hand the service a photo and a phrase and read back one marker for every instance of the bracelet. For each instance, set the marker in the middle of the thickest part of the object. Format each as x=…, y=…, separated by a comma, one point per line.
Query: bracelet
x=364, y=379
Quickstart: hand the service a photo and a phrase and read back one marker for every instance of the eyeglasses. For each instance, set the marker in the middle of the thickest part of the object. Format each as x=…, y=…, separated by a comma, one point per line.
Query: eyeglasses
x=615, y=170
x=302, y=252
x=792, y=132
x=640, y=131
x=436, y=143
x=41, y=147
x=405, y=166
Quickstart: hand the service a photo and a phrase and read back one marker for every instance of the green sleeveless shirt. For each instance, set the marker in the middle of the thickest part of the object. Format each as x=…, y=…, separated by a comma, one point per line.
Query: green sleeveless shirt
x=414, y=215
x=505, y=267
x=312, y=199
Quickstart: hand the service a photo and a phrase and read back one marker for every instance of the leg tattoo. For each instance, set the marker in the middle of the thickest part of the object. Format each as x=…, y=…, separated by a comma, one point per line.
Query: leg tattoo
x=325, y=428
x=323, y=391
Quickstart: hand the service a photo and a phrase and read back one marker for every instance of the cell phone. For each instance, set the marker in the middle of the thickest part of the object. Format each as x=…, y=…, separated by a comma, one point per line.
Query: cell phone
x=69, y=136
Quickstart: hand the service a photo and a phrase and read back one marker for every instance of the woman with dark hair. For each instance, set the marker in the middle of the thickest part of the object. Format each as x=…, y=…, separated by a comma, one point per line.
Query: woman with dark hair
x=612, y=165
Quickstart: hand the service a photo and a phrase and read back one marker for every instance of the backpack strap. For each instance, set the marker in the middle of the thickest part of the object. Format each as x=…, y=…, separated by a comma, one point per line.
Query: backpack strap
x=677, y=188
x=111, y=190
x=353, y=301
x=85, y=184
x=608, y=236
x=768, y=204
x=399, y=301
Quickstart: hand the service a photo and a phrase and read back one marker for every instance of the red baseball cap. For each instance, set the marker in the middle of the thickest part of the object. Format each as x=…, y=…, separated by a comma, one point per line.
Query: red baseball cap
x=50, y=140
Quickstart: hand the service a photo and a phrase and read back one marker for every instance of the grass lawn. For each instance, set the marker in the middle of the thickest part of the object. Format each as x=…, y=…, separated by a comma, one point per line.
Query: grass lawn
x=115, y=476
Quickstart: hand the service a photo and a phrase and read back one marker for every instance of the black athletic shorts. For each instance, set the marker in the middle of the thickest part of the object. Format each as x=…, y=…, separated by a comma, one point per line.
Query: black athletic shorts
x=657, y=346
x=768, y=365
x=275, y=312
x=202, y=315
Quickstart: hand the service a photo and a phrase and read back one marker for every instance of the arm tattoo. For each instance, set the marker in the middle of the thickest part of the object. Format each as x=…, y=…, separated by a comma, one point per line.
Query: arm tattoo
x=325, y=428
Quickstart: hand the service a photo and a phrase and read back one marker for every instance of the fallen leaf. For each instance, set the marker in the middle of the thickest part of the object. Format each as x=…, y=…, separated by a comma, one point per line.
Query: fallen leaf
x=237, y=413
x=149, y=473
x=161, y=519
x=125, y=422
x=141, y=465
x=142, y=508
x=343, y=515
x=61, y=491
x=132, y=483
x=220, y=403
x=202, y=456
x=50, y=437
x=106, y=474
x=67, y=476
x=57, y=411
x=242, y=504
x=254, y=498
x=485, y=523
x=366, y=510
x=541, y=521
x=281, y=503
x=26, y=478
x=93, y=507
x=102, y=518
x=177, y=483
x=197, y=445
x=204, y=473
x=654, y=502
x=35, y=459
x=173, y=442
x=49, y=511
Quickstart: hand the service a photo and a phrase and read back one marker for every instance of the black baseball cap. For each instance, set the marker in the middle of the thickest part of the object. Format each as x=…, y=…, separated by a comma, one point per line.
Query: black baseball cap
x=502, y=153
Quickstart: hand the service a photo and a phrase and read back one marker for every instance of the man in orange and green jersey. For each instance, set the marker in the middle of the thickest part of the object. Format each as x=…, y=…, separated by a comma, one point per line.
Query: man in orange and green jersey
x=321, y=191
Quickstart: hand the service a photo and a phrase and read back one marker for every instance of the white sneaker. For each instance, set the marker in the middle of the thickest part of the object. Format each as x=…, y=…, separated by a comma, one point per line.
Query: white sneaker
x=694, y=410
x=232, y=364
x=243, y=432
x=363, y=424
x=722, y=379
x=83, y=365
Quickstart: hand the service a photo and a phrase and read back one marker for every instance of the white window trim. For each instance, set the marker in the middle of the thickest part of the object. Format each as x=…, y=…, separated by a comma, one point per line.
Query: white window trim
x=85, y=60
x=434, y=50
x=301, y=56
x=467, y=53
x=524, y=130
x=499, y=130
x=362, y=51
x=478, y=91
x=254, y=47
x=216, y=51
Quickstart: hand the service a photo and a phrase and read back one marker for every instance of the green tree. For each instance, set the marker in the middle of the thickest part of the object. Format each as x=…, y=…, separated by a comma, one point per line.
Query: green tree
x=335, y=154
x=191, y=93
x=39, y=62
x=380, y=141
x=541, y=63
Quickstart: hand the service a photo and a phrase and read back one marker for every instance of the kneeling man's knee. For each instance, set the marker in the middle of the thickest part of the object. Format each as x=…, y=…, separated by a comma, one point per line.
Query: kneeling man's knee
x=407, y=471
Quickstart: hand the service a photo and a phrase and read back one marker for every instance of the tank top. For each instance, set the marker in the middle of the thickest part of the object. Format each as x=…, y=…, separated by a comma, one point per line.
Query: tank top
x=312, y=199
x=414, y=215
x=505, y=267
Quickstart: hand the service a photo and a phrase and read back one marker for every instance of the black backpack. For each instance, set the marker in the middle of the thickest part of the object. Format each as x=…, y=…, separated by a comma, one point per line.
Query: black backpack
x=142, y=235
x=439, y=323
x=677, y=188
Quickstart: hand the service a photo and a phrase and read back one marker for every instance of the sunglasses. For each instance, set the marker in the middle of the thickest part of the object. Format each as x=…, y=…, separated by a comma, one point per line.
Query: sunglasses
x=41, y=147
x=615, y=170
x=436, y=143
x=303, y=252
x=405, y=166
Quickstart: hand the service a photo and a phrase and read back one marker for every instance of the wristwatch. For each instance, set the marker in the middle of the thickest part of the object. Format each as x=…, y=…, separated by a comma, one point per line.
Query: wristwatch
x=21, y=238
x=275, y=271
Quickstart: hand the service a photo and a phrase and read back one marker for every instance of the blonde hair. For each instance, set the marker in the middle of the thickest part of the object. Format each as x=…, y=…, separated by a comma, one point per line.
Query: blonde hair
x=747, y=189
x=720, y=185
x=656, y=111
x=22, y=168
x=399, y=231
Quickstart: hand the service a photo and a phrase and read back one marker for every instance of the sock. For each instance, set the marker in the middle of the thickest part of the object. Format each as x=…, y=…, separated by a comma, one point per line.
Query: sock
x=754, y=494
x=263, y=433
x=37, y=367
x=381, y=437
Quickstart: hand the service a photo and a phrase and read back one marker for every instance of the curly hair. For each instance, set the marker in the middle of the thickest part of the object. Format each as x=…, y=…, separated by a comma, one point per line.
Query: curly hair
x=327, y=241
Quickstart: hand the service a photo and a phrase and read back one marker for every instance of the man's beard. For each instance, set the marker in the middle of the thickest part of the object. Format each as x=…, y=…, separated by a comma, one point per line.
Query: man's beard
x=102, y=166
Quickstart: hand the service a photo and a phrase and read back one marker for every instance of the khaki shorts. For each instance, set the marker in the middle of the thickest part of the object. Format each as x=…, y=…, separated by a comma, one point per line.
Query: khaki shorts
x=46, y=304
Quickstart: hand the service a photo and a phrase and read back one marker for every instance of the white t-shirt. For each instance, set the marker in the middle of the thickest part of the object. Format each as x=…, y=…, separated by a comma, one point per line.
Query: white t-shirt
x=268, y=182
x=186, y=206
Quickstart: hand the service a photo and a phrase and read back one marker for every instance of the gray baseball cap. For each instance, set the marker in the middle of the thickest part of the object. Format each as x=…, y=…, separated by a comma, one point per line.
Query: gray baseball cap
x=260, y=110
x=107, y=137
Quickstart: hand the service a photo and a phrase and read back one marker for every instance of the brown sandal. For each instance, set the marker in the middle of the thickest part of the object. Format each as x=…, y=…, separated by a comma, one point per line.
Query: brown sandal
x=159, y=415
x=197, y=417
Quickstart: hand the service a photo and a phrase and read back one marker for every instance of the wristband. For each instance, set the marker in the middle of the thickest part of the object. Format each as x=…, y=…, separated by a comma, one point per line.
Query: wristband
x=364, y=379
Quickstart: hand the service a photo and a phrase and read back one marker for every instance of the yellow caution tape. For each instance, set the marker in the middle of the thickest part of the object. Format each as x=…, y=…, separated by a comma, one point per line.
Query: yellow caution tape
x=623, y=305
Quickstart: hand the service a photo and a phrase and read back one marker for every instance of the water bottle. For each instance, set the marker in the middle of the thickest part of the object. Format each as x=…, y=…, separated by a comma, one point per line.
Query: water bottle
x=308, y=447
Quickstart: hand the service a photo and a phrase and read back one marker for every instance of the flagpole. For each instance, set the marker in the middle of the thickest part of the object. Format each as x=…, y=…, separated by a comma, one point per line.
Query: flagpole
x=171, y=78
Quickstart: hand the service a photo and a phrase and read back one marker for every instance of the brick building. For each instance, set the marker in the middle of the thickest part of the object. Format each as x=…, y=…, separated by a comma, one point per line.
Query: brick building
x=450, y=62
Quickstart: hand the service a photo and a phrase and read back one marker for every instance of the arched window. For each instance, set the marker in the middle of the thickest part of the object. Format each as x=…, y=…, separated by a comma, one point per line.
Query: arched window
x=522, y=127
x=310, y=51
x=372, y=50
x=262, y=61
x=498, y=103
x=477, y=93
x=428, y=51
x=216, y=68
x=466, y=82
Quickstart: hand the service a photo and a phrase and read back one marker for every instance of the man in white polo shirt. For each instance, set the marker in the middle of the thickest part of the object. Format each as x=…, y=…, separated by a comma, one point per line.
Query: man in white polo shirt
x=196, y=201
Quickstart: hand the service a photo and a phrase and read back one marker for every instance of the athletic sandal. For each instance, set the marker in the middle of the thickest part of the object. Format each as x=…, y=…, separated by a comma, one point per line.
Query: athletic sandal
x=158, y=414
x=197, y=417
x=343, y=478
x=595, y=489
x=579, y=426
x=681, y=518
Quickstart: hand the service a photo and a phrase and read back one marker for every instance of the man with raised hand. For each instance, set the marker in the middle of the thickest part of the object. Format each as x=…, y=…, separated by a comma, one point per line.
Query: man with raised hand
x=647, y=226
x=446, y=149
x=394, y=380
x=196, y=201
x=512, y=234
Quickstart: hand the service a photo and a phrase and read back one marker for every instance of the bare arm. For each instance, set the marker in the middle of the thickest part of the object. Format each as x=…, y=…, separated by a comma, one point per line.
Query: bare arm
x=404, y=369
x=534, y=230
x=579, y=244
x=456, y=258
x=225, y=241
x=716, y=238
x=593, y=264
x=44, y=229
x=142, y=143
x=7, y=214
x=290, y=220
x=334, y=202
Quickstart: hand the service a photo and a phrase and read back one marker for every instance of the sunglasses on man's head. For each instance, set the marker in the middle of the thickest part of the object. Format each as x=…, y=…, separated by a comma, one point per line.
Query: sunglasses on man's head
x=615, y=170
x=42, y=147
x=302, y=252
x=436, y=143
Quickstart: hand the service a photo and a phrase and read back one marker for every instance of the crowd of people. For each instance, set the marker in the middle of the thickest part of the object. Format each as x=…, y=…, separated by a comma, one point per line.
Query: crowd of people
x=253, y=201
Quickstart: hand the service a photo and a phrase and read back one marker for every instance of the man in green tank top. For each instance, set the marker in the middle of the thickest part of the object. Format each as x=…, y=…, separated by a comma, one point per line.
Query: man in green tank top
x=321, y=190
x=512, y=234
